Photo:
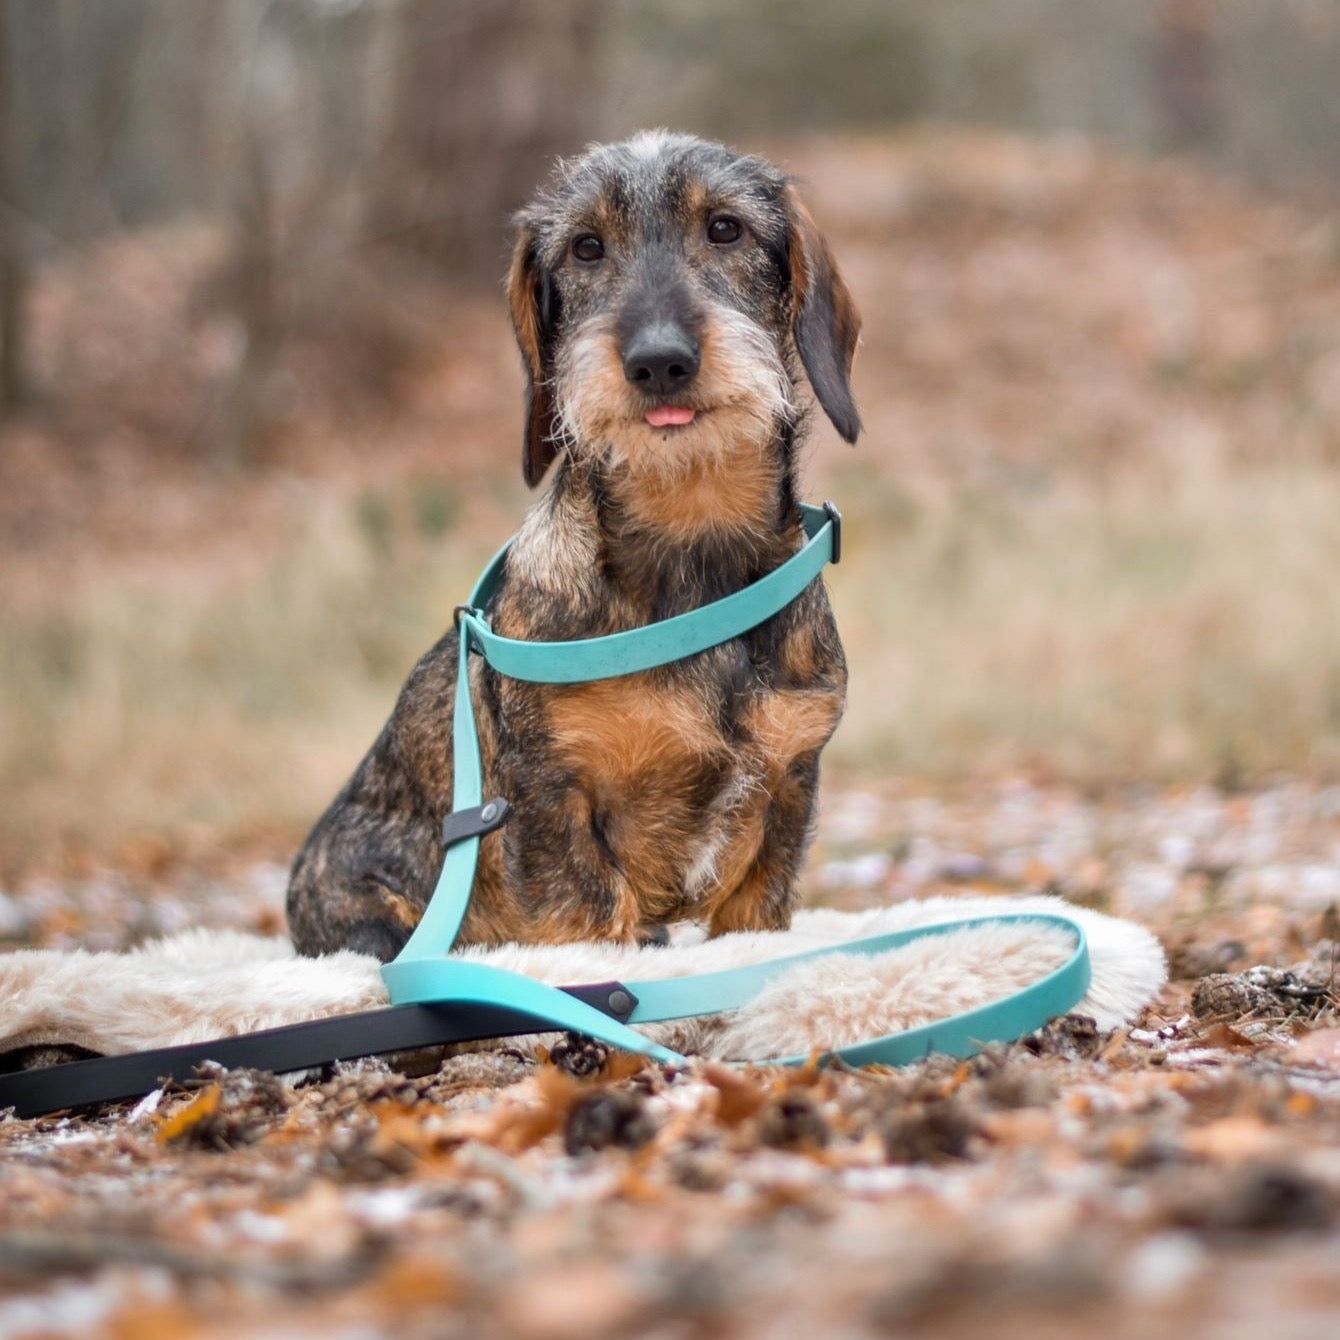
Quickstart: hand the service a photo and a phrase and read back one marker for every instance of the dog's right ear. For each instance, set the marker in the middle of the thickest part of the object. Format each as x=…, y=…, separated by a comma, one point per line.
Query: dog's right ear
x=534, y=302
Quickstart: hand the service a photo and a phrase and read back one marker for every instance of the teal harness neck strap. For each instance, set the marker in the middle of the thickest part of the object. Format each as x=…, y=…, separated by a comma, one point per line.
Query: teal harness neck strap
x=423, y=973
x=657, y=643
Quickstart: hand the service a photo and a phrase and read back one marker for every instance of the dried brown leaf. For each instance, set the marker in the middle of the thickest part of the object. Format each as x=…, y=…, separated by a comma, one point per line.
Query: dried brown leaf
x=1319, y=1048
x=1229, y=1038
x=519, y=1126
x=416, y=1279
x=185, y=1120
x=739, y=1094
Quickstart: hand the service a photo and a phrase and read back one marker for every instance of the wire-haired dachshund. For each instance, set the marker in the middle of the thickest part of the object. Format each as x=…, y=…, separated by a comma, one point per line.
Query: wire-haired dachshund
x=665, y=292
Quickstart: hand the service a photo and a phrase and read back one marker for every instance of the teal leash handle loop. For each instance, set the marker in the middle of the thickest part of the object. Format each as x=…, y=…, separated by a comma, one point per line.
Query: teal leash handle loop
x=660, y=999
x=1013, y=1016
x=423, y=973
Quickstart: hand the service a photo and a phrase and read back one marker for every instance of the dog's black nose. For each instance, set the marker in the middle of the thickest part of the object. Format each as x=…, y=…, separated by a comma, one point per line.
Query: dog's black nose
x=661, y=360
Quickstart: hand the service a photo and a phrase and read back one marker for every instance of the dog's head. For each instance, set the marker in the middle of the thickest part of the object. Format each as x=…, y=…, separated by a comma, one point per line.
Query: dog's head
x=661, y=289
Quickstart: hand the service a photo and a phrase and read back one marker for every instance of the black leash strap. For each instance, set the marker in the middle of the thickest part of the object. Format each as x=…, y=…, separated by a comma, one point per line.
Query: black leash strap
x=33, y=1093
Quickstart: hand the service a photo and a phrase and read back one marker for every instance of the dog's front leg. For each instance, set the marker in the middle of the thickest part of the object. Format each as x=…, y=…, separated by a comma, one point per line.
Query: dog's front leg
x=362, y=880
x=763, y=898
x=367, y=870
x=570, y=883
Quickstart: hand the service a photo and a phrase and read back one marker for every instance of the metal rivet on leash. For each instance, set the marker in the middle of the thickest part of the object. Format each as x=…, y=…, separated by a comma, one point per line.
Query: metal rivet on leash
x=620, y=1002
x=475, y=822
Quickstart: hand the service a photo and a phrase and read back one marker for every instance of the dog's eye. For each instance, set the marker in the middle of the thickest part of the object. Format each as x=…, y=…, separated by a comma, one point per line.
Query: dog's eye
x=588, y=247
x=723, y=230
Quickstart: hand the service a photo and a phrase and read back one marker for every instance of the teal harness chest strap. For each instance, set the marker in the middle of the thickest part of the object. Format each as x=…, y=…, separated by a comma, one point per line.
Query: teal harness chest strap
x=424, y=974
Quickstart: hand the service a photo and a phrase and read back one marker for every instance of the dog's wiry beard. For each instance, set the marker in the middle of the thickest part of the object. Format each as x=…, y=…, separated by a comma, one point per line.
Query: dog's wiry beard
x=743, y=393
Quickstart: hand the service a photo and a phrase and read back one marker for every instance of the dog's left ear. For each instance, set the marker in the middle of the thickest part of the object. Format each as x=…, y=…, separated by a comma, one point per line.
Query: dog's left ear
x=534, y=304
x=824, y=318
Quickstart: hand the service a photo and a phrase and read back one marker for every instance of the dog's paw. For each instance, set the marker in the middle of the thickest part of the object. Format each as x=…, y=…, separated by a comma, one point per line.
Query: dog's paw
x=578, y=1055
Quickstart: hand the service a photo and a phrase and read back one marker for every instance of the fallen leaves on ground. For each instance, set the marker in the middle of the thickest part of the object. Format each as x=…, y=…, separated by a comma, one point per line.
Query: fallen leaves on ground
x=1180, y=1175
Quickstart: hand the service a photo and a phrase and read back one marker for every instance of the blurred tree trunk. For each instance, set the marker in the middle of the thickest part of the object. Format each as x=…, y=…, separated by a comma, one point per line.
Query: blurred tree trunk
x=303, y=104
x=254, y=296
x=488, y=92
x=13, y=260
x=1186, y=75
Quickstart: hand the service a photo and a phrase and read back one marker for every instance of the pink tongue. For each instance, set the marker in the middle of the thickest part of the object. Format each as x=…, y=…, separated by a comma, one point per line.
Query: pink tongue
x=670, y=416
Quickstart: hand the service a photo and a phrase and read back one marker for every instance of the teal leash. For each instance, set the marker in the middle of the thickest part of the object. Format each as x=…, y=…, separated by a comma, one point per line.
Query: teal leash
x=437, y=999
x=423, y=974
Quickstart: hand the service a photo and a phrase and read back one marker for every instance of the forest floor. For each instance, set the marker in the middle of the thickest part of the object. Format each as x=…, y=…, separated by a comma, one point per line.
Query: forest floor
x=1091, y=537
x=1180, y=1176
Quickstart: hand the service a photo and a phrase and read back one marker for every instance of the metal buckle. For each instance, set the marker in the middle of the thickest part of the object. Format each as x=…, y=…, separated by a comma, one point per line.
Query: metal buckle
x=472, y=643
x=830, y=508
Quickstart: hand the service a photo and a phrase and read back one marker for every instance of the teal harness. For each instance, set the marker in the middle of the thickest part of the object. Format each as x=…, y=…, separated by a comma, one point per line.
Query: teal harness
x=425, y=974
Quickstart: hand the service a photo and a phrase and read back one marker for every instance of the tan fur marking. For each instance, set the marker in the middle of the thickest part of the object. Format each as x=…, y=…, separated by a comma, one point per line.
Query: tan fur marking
x=400, y=911
x=521, y=299
x=524, y=300
x=638, y=754
x=617, y=729
x=710, y=498
x=741, y=851
x=559, y=925
x=783, y=726
x=789, y=724
x=800, y=655
x=804, y=238
x=748, y=908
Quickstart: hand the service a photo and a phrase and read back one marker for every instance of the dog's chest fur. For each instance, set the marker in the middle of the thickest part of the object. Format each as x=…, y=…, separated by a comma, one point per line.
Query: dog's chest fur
x=674, y=772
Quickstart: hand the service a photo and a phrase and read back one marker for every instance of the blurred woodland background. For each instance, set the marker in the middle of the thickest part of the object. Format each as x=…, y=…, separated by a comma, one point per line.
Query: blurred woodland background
x=261, y=407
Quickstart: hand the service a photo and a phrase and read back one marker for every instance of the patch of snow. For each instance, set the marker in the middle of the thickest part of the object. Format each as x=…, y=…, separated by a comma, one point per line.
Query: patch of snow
x=386, y=1207
x=256, y=1227
x=81, y=1307
x=854, y=817
x=1146, y=885
x=685, y=1096
x=877, y=1182
x=147, y=1106
x=862, y=872
x=1163, y=1266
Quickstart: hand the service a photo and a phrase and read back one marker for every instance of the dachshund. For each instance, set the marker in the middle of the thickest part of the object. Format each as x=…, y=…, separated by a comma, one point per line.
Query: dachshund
x=666, y=293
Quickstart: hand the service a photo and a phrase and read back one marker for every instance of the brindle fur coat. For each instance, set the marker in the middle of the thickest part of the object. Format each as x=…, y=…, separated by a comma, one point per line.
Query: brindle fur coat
x=665, y=293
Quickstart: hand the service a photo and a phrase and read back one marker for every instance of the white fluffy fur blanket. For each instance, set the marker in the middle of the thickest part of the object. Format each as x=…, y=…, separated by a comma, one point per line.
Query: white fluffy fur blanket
x=205, y=984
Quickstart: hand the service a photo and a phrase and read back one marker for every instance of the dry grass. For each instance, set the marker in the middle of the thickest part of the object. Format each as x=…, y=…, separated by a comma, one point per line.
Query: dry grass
x=188, y=712
x=1165, y=626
